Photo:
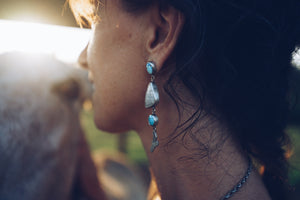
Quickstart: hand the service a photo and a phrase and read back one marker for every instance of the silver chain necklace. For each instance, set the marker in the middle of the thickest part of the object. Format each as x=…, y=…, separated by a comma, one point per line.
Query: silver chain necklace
x=240, y=183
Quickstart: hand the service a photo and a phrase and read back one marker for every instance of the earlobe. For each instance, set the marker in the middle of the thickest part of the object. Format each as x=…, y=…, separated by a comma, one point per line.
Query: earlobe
x=164, y=35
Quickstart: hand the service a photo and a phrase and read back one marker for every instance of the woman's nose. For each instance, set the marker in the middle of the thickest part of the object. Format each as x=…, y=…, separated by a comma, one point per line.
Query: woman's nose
x=82, y=59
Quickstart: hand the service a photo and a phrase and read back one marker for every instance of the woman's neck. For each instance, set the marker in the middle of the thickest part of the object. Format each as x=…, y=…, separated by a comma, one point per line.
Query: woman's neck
x=204, y=164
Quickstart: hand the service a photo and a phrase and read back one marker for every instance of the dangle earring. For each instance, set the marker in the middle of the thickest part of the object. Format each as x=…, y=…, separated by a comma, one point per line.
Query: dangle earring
x=151, y=100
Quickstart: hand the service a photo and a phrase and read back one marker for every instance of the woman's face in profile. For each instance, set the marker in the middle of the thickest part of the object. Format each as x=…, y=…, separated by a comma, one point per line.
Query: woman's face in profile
x=116, y=59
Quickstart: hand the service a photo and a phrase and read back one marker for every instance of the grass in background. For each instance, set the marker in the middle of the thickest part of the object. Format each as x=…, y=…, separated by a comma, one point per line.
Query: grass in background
x=108, y=142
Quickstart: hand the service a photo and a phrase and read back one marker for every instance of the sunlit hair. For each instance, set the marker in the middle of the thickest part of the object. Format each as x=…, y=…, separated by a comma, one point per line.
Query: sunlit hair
x=85, y=11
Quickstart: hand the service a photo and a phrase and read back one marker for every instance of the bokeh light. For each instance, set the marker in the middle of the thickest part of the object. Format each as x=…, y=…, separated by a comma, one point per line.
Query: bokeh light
x=65, y=43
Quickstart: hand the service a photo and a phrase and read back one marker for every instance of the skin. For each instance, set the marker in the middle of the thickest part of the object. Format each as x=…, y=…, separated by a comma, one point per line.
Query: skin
x=116, y=56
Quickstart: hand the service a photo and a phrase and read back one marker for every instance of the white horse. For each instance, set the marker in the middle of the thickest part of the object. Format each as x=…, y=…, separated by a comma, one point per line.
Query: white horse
x=43, y=154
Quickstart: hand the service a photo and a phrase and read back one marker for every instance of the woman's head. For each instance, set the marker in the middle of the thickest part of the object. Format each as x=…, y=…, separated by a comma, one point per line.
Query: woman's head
x=121, y=45
x=232, y=56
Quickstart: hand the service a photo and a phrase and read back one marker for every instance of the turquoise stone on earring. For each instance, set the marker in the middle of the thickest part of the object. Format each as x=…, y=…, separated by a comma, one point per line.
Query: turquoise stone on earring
x=152, y=120
x=151, y=69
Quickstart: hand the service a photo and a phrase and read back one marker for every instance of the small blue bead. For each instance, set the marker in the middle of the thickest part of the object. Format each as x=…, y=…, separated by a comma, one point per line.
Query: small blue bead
x=149, y=69
x=151, y=120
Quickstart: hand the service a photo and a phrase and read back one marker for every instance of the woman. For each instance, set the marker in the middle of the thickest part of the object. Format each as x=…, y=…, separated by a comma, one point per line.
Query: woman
x=218, y=69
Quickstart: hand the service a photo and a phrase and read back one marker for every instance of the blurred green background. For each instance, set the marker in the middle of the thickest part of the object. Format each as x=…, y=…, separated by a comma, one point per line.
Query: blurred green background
x=110, y=143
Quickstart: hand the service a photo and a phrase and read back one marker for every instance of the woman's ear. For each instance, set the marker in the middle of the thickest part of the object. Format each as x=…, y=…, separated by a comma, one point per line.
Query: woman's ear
x=163, y=34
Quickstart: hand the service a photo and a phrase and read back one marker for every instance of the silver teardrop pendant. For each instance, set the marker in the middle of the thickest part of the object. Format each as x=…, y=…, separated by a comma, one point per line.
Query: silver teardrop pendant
x=152, y=95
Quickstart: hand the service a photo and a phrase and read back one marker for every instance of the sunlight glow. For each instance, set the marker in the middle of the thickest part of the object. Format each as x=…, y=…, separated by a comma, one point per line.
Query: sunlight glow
x=31, y=18
x=65, y=43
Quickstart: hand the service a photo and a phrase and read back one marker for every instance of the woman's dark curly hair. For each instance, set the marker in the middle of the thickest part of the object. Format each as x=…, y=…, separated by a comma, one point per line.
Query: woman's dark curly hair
x=236, y=56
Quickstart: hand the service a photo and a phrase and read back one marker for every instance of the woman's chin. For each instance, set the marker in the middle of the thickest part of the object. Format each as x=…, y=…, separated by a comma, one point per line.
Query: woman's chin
x=112, y=126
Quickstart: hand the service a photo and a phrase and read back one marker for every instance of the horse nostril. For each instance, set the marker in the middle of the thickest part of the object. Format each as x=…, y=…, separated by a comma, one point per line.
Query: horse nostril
x=68, y=89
